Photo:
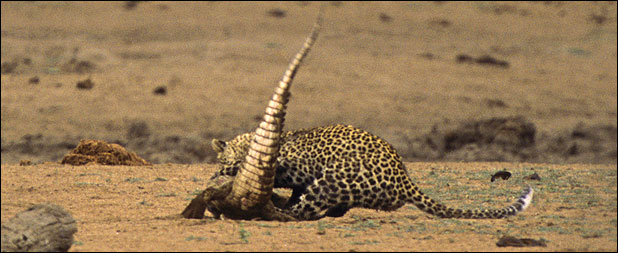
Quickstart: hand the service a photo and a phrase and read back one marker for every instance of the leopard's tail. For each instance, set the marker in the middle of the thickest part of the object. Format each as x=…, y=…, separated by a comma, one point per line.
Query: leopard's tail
x=423, y=202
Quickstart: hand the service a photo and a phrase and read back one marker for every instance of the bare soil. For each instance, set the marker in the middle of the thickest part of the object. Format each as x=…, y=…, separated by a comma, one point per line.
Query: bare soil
x=137, y=208
x=462, y=89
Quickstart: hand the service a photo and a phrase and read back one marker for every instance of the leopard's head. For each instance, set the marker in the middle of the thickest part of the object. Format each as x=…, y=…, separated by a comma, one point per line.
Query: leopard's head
x=231, y=154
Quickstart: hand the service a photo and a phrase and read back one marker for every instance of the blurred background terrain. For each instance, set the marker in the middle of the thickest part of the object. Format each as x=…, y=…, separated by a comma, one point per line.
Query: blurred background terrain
x=441, y=81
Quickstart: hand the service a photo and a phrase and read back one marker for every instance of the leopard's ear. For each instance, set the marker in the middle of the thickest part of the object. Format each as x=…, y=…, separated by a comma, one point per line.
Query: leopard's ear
x=218, y=145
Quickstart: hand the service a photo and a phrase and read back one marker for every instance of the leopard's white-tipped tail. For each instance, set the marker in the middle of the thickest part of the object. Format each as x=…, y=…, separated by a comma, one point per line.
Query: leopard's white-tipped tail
x=526, y=198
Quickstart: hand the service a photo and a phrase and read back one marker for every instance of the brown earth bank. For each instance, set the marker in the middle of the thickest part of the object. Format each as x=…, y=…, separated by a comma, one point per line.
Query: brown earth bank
x=441, y=81
x=137, y=208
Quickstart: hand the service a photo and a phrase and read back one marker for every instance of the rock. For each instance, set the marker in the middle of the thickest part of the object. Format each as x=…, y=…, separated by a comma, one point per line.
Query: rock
x=40, y=228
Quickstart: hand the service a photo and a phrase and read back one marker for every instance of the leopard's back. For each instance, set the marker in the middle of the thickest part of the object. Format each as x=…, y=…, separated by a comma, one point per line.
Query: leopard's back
x=352, y=168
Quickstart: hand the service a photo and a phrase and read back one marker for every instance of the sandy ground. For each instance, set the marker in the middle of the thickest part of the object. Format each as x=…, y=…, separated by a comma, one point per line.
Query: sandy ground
x=529, y=83
x=122, y=208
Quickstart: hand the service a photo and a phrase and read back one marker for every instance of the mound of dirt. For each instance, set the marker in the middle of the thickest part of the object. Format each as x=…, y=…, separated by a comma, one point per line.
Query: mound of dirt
x=100, y=152
x=494, y=139
x=514, y=139
x=580, y=144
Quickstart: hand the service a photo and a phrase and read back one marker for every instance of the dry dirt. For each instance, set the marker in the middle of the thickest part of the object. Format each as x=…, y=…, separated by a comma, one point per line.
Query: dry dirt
x=137, y=208
x=533, y=84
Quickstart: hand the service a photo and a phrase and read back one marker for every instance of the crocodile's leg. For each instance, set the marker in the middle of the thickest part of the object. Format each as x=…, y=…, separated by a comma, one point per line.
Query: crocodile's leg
x=216, y=191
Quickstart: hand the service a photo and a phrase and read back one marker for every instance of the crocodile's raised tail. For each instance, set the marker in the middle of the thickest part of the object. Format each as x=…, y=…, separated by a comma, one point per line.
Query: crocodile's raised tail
x=254, y=182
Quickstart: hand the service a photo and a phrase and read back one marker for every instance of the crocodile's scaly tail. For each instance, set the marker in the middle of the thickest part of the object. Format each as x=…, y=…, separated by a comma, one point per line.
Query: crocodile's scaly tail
x=254, y=182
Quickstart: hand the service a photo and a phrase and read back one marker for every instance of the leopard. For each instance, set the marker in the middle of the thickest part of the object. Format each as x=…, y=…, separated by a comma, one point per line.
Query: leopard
x=331, y=169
